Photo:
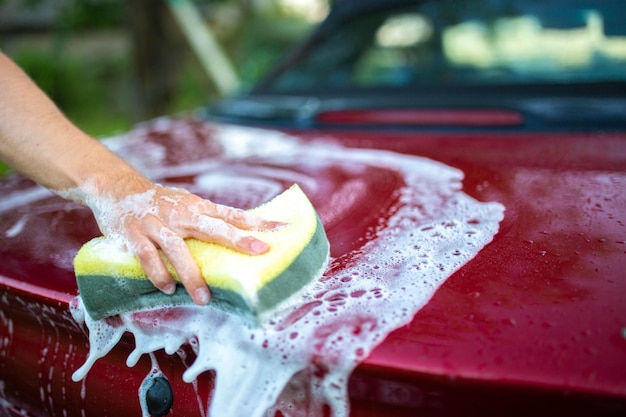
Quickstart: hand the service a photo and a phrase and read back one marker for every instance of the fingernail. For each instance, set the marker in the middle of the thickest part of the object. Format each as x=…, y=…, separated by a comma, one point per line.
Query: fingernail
x=169, y=289
x=202, y=296
x=277, y=225
x=258, y=246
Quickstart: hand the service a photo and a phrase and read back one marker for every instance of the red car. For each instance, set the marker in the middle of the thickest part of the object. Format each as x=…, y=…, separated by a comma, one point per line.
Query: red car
x=468, y=162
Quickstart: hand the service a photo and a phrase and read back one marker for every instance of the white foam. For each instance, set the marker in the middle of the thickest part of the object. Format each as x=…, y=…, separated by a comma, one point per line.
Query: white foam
x=111, y=215
x=302, y=357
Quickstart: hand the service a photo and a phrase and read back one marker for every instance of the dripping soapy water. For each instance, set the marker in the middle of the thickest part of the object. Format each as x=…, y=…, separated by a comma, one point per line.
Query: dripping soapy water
x=182, y=354
x=300, y=359
x=147, y=383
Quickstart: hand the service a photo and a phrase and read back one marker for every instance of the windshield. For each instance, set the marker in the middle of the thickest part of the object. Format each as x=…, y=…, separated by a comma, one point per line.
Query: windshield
x=456, y=42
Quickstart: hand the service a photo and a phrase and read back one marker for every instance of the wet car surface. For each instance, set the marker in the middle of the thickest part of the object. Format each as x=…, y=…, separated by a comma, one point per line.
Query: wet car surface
x=533, y=324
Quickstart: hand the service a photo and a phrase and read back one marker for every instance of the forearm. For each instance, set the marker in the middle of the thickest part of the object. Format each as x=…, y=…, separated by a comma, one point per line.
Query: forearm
x=38, y=140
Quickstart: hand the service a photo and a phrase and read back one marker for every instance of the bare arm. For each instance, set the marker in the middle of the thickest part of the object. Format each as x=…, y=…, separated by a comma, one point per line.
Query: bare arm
x=40, y=142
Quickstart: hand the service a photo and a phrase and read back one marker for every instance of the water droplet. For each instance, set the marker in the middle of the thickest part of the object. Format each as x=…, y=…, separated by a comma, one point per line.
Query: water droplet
x=591, y=350
x=509, y=322
x=357, y=293
x=589, y=374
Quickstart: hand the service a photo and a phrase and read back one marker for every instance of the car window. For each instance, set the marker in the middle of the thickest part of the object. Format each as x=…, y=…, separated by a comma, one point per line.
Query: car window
x=462, y=42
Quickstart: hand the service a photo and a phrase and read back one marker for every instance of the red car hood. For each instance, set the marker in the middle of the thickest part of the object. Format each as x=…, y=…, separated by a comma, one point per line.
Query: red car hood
x=540, y=307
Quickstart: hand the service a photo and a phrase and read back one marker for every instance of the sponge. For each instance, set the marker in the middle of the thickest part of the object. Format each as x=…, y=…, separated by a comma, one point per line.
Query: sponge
x=112, y=282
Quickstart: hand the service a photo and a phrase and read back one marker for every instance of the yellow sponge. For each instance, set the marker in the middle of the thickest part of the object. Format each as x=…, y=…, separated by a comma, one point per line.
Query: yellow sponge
x=111, y=281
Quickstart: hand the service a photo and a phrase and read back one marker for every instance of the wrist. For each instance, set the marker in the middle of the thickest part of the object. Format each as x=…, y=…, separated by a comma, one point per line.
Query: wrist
x=102, y=175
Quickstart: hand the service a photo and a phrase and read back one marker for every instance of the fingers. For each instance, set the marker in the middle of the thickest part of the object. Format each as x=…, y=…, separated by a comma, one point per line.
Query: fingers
x=147, y=238
x=152, y=264
x=157, y=232
x=210, y=229
x=175, y=249
x=239, y=218
x=148, y=234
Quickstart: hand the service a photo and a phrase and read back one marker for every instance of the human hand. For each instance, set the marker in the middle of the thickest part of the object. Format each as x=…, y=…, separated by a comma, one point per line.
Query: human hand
x=161, y=218
x=39, y=141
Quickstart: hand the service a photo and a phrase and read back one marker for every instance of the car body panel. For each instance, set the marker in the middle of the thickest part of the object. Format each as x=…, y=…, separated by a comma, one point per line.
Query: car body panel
x=537, y=314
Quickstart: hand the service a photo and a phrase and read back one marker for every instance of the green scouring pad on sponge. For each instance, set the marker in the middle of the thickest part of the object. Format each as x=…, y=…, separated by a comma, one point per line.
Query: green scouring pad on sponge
x=112, y=282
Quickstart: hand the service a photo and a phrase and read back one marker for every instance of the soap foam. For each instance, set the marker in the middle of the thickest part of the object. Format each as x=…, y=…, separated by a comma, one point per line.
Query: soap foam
x=109, y=214
x=300, y=359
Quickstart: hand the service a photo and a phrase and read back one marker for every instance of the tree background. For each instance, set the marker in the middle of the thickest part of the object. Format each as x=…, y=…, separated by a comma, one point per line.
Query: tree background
x=111, y=63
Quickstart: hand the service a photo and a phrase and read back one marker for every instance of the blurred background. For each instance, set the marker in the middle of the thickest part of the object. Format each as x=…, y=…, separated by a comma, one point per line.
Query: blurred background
x=111, y=63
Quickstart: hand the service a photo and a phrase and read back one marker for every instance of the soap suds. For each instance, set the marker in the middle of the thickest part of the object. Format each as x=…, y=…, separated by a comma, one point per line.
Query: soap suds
x=111, y=215
x=299, y=361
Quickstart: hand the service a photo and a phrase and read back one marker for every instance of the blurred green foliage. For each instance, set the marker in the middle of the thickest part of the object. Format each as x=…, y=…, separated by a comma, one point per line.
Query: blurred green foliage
x=84, y=14
x=86, y=91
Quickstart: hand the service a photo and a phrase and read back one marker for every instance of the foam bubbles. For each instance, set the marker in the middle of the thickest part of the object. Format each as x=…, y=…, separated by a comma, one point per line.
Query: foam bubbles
x=111, y=214
x=299, y=360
